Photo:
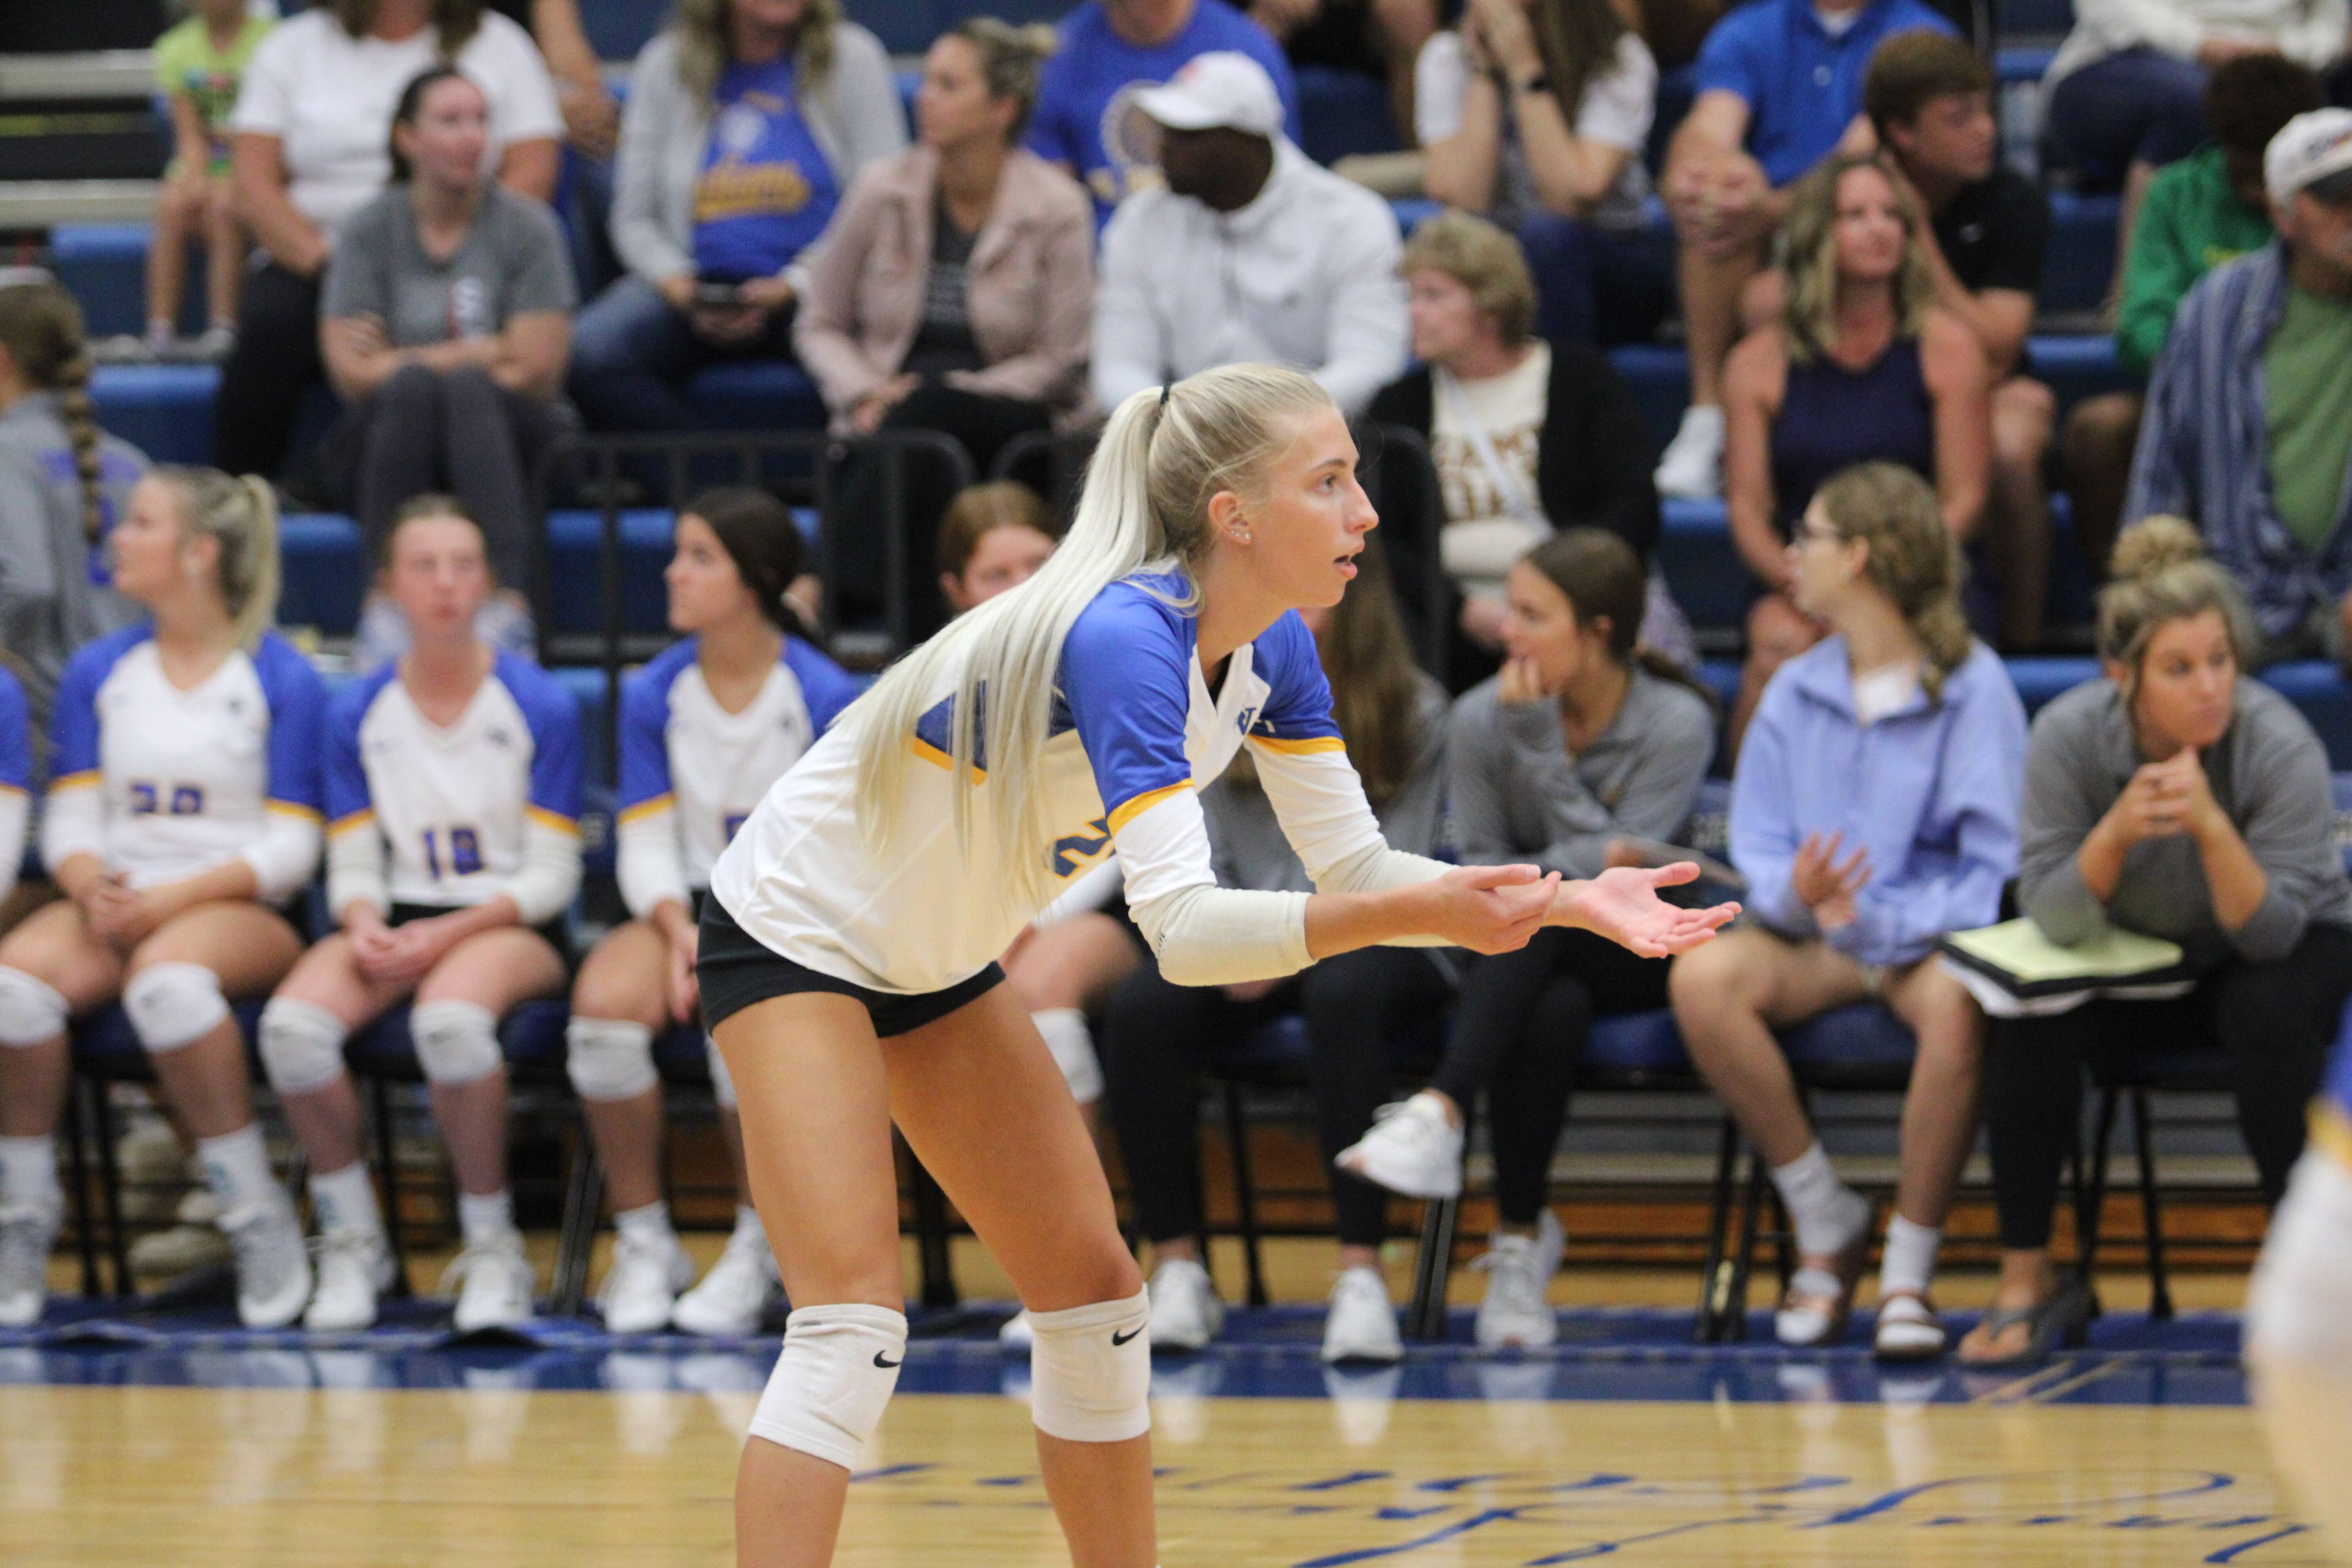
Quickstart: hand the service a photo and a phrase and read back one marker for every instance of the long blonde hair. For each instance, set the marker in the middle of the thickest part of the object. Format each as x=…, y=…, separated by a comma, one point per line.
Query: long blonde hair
x=2159, y=574
x=1166, y=451
x=241, y=514
x=1912, y=558
x=703, y=50
x=1808, y=260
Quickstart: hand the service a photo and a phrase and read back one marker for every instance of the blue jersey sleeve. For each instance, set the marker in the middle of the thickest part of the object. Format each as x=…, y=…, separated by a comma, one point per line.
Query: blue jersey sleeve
x=297, y=704
x=73, y=718
x=1297, y=711
x=344, y=771
x=15, y=736
x=644, y=730
x=1126, y=681
x=825, y=687
x=554, y=721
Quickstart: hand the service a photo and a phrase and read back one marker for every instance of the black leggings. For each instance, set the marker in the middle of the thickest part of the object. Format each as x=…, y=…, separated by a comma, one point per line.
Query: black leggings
x=275, y=361
x=1518, y=1034
x=2276, y=1021
x=1159, y=1035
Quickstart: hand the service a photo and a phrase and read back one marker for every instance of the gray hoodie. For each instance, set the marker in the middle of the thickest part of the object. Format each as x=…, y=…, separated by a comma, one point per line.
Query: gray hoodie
x=54, y=593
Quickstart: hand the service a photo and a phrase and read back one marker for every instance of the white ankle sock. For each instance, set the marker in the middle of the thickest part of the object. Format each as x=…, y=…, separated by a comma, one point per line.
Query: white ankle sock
x=1909, y=1262
x=236, y=1168
x=487, y=1217
x=748, y=1227
x=345, y=1199
x=1823, y=1208
x=649, y=1224
x=29, y=1172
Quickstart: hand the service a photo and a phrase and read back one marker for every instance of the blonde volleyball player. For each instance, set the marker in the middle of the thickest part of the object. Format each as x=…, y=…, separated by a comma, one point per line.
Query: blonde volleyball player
x=705, y=729
x=453, y=790
x=183, y=812
x=847, y=951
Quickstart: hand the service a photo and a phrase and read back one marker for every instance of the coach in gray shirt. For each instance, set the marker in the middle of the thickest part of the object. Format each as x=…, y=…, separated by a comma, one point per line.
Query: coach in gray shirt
x=445, y=326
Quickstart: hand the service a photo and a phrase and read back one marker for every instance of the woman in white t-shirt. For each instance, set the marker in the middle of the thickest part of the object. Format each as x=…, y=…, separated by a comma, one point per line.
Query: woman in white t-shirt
x=313, y=127
x=1537, y=110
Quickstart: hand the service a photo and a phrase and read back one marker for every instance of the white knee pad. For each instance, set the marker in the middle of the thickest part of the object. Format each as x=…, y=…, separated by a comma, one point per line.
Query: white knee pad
x=1090, y=1371
x=173, y=1004
x=31, y=1010
x=723, y=1082
x=609, y=1059
x=302, y=1045
x=826, y=1394
x=1073, y=1045
x=456, y=1042
x=2299, y=1307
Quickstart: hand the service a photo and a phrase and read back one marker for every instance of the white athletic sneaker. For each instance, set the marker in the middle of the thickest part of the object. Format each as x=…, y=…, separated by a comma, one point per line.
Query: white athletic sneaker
x=733, y=1295
x=1361, y=1324
x=27, y=1232
x=1412, y=1149
x=354, y=1269
x=642, y=1285
x=1185, y=1311
x=1691, y=468
x=273, y=1266
x=1518, y=1271
x=1016, y=1332
x=497, y=1292
x=192, y=1245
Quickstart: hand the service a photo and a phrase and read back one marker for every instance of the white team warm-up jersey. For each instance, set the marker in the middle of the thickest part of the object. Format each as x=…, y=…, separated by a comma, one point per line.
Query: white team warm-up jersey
x=692, y=772
x=452, y=805
x=1136, y=729
x=186, y=780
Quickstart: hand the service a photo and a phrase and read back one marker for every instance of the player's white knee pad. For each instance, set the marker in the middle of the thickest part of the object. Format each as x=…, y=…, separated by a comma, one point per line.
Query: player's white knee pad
x=1073, y=1045
x=826, y=1394
x=723, y=1082
x=174, y=1005
x=2296, y=1310
x=31, y=1010
x=1091, y=1370
x=456, y=1042
x=302, y=1045
x=609, y=1059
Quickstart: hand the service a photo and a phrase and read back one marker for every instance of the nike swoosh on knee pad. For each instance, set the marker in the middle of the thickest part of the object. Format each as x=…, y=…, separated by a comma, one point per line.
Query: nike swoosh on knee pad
x=1118, y=1338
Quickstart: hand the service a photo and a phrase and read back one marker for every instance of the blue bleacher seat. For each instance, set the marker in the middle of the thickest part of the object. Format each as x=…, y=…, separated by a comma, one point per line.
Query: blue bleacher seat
x=164, y=410
x=1709, y=580
x=104, y=1047
x=619, y=28
x=324, y=572
x=2040, y=679
x=575, y=544
x=1863, y=1040
x=1341, y=112
x=2081, y=261
x=104, y=266
x=2323, y=696
x=531, y=1037
x=1636, y=1046
x=758, y=394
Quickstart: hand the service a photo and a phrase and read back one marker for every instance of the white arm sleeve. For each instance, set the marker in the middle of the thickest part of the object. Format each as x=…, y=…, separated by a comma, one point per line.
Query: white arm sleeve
x=73, y=822
x=1203, y=934
x=543, y=889
x=355, y=866
x=15, y=811
x=285, y=854
x=649, y=867
x=1320, y=803
x=1083, y=896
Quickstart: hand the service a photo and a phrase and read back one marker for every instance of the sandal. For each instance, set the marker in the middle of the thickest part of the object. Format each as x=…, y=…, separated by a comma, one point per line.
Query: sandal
x=2061, y=1319
x=1908, y=1329
x=1814, y=1308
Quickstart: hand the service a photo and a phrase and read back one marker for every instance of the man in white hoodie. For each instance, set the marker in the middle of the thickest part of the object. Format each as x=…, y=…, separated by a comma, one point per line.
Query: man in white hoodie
x=1248, y=251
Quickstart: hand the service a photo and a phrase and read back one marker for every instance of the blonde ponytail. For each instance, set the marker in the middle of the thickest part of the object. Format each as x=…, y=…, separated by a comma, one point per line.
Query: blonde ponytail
x=1912, y=558
x=241, y=514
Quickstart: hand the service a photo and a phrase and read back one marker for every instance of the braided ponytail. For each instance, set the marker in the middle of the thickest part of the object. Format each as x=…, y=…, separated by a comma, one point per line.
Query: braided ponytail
x=41, y=330
x=1914, y=560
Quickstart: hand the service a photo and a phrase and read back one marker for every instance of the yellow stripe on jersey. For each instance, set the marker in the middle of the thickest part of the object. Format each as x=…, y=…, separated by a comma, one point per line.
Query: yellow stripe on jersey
x=12, y=789
x=294, y=808
x=649, y=808
x=87, y=779
x=363, y=817
x=1136, y=807
x=2331, y=1129
x=554, y=819
x=1299, y=748
x=933, y=755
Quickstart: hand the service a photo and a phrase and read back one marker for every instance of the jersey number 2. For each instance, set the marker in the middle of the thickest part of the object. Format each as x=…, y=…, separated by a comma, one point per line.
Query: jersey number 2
x=465, y=846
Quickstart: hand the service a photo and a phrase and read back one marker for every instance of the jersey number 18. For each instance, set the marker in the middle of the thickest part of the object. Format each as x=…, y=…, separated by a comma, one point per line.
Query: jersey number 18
x=465, y=849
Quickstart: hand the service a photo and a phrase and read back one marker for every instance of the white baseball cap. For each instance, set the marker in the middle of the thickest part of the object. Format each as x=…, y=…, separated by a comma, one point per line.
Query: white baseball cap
x=2307, y=149
x=1222, y=88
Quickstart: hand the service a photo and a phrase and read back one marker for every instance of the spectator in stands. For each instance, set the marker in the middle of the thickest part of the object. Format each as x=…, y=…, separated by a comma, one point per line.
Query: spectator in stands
x=311, y=126
x=1527, y=435
x=63, y=485
x=2249, y=423
x=198, y=64
x=746, y=120
x=1580, y=756
x=2199, y=212
x=182, y=818
x=1865, y=363
x=1249, y=252
x=1381, y=39
x=1111, y=48
x=954, y=292
x=1779, y=86
x=2179, y=798
x=993, y=536
x=1930, y=99
x=1874, y=809
x=1360, y=1006
x=445, y=324
x=1533, y=107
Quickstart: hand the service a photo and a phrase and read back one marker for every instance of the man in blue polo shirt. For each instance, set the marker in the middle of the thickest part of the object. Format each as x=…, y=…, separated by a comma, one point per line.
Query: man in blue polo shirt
x=1110, y=48
x=1779, y=84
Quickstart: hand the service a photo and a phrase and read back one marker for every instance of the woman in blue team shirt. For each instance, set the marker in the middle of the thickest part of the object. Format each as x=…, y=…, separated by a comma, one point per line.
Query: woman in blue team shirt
x=1874, y=809
x=705, y=729
x=182, y=814
x=453, y=788
x=746, y=120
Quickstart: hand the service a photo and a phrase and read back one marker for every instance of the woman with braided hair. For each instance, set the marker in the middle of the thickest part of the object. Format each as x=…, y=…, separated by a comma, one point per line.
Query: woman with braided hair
x=63, y=483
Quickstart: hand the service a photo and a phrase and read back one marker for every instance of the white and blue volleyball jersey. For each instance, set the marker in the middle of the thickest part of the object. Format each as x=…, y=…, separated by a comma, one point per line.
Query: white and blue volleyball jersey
x=15, y=778
x=452, y=817
x=692, y=772
x=1135, y=732
x=161, y=783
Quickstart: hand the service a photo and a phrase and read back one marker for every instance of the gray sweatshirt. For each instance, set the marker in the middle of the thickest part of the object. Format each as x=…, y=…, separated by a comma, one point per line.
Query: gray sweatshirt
x=1518, y=796
x=53, y=592
x=2268, y=771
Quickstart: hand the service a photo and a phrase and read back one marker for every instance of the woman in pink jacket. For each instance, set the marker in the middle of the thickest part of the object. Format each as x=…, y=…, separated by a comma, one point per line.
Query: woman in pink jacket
x=951, y=293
